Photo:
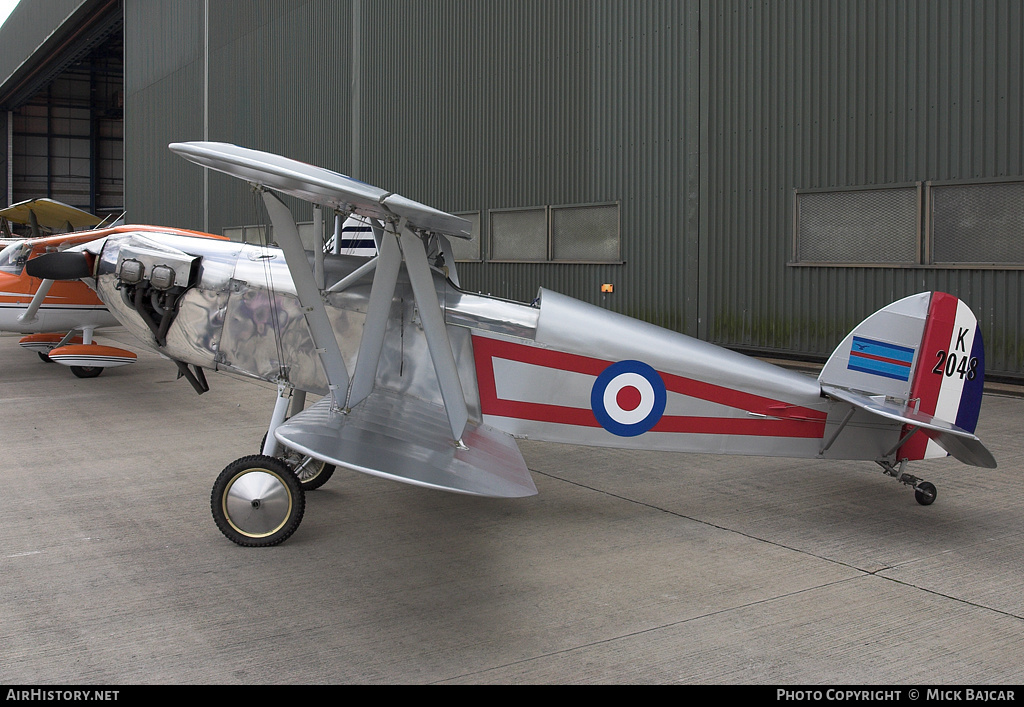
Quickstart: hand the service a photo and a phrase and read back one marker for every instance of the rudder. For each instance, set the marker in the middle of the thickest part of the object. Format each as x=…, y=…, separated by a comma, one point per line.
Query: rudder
x=950, y=371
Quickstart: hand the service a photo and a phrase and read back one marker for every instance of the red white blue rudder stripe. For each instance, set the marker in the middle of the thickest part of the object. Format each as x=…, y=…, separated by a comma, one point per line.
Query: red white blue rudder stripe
x=950, y=371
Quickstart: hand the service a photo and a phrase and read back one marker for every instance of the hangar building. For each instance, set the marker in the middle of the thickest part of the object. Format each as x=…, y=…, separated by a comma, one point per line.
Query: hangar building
x=761, y=175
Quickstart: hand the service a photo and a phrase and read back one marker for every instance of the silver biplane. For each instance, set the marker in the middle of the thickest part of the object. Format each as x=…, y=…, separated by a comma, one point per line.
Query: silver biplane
x=424, y=383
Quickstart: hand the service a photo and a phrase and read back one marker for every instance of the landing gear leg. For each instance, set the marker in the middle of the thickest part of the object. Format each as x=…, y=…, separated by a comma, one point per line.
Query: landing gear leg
x=312, y=473
x=86, y=371
x=924, y=492
x=280, y=410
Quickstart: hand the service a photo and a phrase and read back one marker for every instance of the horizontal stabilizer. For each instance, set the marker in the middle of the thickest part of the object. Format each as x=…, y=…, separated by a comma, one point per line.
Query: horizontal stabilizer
x=958, y=442
x=406, y=439
x=320, y=186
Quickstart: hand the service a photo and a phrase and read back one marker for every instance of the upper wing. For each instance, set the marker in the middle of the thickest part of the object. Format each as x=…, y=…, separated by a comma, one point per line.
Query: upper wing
x=320, y=186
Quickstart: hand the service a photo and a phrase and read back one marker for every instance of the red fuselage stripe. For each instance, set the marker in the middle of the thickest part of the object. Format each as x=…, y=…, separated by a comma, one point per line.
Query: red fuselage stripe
x=937, y=332
x=799, y=421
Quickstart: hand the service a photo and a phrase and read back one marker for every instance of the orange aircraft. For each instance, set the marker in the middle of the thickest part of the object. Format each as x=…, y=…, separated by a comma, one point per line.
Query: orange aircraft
x=59, y=317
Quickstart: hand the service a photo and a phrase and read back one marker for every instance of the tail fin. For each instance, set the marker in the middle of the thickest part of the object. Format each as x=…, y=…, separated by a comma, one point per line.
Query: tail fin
x=925, y=350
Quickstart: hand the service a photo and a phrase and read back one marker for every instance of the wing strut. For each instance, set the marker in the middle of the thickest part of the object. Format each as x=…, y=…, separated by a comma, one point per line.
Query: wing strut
x=435, y=331
x=37, y=300
x=397, y=246
x=354, y=276
x=405, y=244
x=287, y=235
x=381, y=294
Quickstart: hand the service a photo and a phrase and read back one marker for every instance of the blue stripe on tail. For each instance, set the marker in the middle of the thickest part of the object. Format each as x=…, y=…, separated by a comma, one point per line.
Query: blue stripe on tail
x=880, y=358
x=970, y=398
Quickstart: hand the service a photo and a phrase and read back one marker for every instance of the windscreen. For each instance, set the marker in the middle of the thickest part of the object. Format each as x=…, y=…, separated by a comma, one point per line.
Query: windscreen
x=14, y=257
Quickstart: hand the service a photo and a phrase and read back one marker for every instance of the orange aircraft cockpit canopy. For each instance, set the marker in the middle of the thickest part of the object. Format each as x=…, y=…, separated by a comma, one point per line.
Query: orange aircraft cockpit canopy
x=14, y=256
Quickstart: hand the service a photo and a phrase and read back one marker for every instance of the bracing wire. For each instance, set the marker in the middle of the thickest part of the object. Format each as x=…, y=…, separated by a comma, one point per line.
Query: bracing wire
x=263, y=218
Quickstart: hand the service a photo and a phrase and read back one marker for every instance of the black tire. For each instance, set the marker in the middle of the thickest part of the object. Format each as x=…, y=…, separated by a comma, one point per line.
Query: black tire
x=925, y=493
x=257, y=501
x=312, y=473
x=44, y=356
x=86, y=371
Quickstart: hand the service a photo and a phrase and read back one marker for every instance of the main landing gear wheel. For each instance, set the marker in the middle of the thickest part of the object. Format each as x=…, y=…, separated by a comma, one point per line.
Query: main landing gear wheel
x=257, y=501
x=925, y=493
x=312, y=473
x=86, y=371
x=44, y=357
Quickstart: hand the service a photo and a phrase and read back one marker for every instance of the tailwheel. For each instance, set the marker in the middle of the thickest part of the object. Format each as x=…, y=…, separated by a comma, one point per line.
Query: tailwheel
x=257, y=501
x=925, y=493
x=312, y=473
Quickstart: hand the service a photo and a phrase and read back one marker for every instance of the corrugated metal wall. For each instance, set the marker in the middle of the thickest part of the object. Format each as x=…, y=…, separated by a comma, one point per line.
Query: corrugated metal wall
x=806, y=95
x=701, y=118
x=164, y=102
x=467, y=106
x=521, y=104
x=29, y=25
x=267, y=74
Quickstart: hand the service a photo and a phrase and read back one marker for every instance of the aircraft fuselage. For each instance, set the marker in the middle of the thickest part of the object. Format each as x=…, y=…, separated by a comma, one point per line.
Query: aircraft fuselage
x=562, y=371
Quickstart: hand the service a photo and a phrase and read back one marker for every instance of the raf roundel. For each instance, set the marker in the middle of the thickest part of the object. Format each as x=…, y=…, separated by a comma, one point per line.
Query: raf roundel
x=628, y=398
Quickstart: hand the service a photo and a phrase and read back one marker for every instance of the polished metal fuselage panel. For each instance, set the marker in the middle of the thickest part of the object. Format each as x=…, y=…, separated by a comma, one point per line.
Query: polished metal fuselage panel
x=712, y=400
x=242, y=316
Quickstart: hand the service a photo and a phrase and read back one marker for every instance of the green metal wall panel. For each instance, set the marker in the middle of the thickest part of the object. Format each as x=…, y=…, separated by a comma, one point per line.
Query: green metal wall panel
x=28, y=27
x=523, y=104
x=811, y=95
x=699, y=118
x=163, y=81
